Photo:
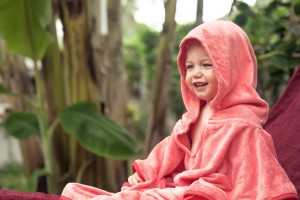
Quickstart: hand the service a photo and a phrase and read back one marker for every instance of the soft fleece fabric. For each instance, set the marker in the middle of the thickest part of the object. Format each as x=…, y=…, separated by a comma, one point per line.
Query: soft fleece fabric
x=236, y=158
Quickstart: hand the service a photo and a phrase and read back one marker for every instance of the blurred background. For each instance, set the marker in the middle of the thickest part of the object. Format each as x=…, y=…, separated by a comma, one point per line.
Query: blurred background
x=88, y=86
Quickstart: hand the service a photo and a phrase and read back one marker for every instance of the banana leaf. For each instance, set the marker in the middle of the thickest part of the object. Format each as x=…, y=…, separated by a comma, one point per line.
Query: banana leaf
x=21, y=124
x=96, y=132
x=23, y=25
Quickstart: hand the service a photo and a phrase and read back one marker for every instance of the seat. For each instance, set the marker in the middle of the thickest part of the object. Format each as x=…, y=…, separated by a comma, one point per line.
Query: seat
x=15, y=195
x=284, y=126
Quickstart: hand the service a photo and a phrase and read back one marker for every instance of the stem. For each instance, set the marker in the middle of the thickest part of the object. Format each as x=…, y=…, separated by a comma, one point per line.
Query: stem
x=46, y=137
x=82, y=169
x=271, y=54
x=52, y=128
x=46, y=134
x=49, y=164
x=40, y=109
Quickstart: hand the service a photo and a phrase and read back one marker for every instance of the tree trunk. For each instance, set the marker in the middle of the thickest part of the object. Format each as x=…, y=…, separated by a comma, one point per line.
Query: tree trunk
x=156, y=129
x=80, y=85
x=199, y=17
x=111, y=77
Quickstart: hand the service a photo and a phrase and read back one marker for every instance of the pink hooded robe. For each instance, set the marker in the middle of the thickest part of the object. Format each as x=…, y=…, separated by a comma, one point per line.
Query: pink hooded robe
x=236, y=158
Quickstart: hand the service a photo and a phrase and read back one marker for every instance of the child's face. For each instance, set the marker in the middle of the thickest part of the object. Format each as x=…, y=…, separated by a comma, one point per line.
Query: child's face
x=200, y=74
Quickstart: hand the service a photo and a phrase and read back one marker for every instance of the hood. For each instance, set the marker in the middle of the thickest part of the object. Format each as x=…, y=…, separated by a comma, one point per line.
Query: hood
x=235, y=66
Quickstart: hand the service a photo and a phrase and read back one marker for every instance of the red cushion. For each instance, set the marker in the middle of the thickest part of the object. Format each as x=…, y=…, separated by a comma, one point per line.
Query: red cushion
x=284, y=126
x=14, y=195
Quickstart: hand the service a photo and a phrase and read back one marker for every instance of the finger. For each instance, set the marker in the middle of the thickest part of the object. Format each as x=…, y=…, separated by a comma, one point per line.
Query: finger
x=132, y=180
x=137, y=177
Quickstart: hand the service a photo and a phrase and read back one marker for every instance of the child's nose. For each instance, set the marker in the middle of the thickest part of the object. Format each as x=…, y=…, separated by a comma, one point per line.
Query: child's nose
x=197, y=71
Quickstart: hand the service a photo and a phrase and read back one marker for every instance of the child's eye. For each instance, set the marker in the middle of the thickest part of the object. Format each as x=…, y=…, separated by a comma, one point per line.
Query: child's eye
x=207, y=65
x=189, y=66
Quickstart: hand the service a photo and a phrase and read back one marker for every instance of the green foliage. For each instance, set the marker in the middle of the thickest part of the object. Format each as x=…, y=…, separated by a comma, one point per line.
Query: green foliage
x=296, y=6
x=96, y=132
x=23, y=25
x=273, y=29
x=140, y=55
x=245, y=12
x=21, y=124
x=12, y=177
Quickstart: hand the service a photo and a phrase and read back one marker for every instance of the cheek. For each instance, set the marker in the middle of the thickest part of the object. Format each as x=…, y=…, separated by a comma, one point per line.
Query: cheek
x=188, y=81
x=188, y=78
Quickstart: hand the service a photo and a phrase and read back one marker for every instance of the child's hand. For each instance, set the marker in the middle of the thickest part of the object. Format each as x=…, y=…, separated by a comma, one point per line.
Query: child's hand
x=134, y=179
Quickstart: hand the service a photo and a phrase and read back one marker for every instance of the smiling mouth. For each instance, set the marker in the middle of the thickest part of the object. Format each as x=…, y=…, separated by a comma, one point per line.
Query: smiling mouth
x=198, y=85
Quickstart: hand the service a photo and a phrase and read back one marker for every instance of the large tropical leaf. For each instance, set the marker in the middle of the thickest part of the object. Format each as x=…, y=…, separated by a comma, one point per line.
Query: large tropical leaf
x=23, y=25
x=96, y=132
x=21, y=124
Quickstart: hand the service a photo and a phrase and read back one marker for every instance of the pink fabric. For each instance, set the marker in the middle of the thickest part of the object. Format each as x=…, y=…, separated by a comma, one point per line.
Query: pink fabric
x=283, y=124
x=236, y=158
x=14, y=195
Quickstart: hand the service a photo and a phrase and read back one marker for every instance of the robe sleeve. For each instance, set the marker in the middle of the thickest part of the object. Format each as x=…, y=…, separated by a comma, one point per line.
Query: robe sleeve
x=162, y=160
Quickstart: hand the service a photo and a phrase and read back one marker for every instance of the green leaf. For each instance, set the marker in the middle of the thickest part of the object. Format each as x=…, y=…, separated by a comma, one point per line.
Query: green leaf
x=96, y=132
x=241, y=19
x=21, y=124
x=243, y=7
x=280, y=62
x=23, y=25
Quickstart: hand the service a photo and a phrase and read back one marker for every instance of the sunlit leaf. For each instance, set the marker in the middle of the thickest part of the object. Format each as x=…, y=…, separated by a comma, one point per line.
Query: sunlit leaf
x=96, y=132
x=23, y=25
x=21, y=124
